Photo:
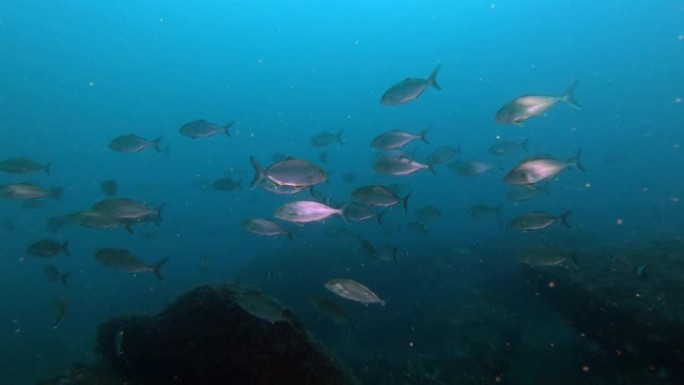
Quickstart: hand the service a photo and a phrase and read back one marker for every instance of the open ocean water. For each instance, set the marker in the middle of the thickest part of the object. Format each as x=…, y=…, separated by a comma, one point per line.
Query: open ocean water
x=460, y=304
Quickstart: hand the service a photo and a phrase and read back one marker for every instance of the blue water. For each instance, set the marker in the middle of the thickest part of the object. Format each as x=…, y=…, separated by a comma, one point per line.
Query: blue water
x=76, y=74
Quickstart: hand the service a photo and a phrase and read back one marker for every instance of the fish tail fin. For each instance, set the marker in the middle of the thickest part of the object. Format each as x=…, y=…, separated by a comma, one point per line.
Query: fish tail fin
x=57, y=192
x=575, y=160
x=432, y=80
x=342, y=212
x=227, y=127
x=564, y=218
x=63, y=279
x=258, y=173
x=158, y=215
x=156, y=269
x=290, y=236
x=47, y=168
x=339, y=137
x=431, y=168
x=569, y=98
x=129, y=228
x=156, y=142
x=573, y=260
x=523, y=144
x=65, y=248
x=423, y=134
x=405, y=202
x=379, y=218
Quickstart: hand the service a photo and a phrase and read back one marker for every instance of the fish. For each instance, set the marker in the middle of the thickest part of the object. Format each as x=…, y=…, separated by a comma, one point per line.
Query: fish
x=356, y=212
x=133, y=143
x=354, y=291
x=327, y=138
x=544, y=255
x=379, y=196
x=48, y=248
x=127, y=210
x=110, y=187
x=503, y=147
x=525, y=192
x=400, y=166
x=289, y=172
x=330, y=308
x=481, y=210
x=97, y=220
x=52, y=274
x=418, y=228
x=396, y=139
x=341, y=233
x=410, y=89
x=272, y=187
x=123, y=260
x=527, y=106
x=443, y=154
x=470, y=169
x=260, y=306
x=60, y=307
x=307, y=211
x=204, y=129
x=23, y=165
x=265, y=227
x=24, y=191
x=227, y=184
x=428, y=213
x=539, y=168
x=539, y=220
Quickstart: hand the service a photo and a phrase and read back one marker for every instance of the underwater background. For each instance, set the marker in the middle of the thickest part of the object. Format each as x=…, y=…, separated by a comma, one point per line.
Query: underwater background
x=77, y=74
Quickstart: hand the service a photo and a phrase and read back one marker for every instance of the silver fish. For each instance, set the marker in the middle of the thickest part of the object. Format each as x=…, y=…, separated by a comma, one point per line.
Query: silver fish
x=470, y=169
x=356, y=212
x=23, y=191
x=227, y=184
x=306, y=211
x=122, y=259
x=525, y=192
x=409, y=89
x=544, y=256
x=289, y=172
x=503, y=147
x=260, y=305
x=395, y=139
x=380, y=196
x=524, y=107
x=127, y=210
x=97, y=220
x=539, y=220
x=327, y=138
x=133, y=143
x=399, y=166
x=261, y=226
x=48, y=248
x=23, y=165
x=354, y=291
x=204, y=129
x=540, y=167
x=443, y=154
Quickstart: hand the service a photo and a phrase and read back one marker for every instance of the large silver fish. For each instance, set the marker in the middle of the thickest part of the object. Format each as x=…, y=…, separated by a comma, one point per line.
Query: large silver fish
x=539, y=220
x=203, y=129
x=395, y=139
x=133, y=143
x=23, y=165
x=400, y=165
x=306, y=211
x=128, y=210
x=354, y=291
x=380, y=196
x=24, y=191
x=524, y=107
x=123, y=260
x=289, y=172
x=540, y=167
x=265, y=227
x=409, y=89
